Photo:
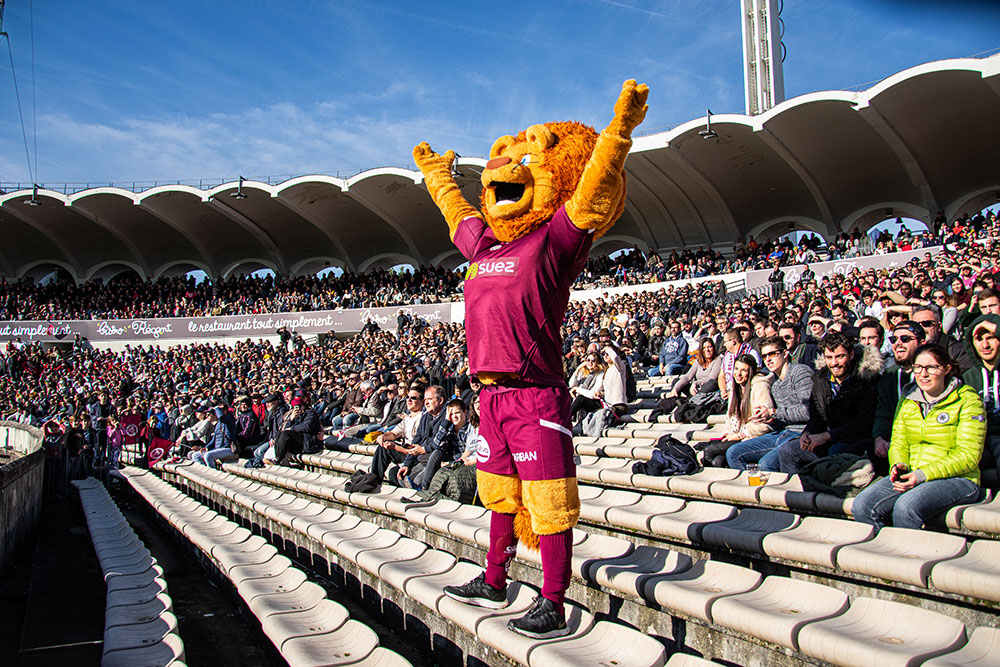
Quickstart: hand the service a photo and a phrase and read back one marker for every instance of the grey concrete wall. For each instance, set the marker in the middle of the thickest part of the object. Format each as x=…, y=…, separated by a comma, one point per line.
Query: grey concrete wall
x=20, y=487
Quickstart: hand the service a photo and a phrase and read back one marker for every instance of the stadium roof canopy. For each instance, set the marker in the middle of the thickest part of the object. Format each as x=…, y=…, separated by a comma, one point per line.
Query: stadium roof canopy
x=922, y=141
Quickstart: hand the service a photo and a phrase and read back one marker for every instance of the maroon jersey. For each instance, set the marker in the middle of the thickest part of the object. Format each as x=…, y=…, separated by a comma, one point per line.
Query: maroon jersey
x=516, y=295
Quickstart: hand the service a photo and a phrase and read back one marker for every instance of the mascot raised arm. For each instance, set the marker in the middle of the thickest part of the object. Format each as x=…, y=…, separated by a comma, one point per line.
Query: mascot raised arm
x=547, y=194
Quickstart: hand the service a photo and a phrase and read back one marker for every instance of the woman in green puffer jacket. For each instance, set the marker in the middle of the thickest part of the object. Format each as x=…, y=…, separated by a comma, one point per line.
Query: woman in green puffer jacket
x=937, y=440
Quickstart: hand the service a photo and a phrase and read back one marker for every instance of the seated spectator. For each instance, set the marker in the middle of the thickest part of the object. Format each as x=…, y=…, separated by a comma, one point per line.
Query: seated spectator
x=274, y=418
x=937, y=441
x=301, y=432
x=905, y=339
x=198, y=434
x=247, y=433
x=750, y=397
x=394, y=445
x=841, y=406
x=790, y=392
x=735, y=346
x=430, y=435
x=457, y=480
x=222, y=447
x=981, y=341
x=800, y=352
x=704, y=370
x=870, y=332
x=584, y=385
x=673, y=353
x=448, y=444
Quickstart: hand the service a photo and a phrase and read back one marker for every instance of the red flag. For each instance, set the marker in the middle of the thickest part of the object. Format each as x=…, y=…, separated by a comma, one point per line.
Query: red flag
x=131, y=424
x=158, y=448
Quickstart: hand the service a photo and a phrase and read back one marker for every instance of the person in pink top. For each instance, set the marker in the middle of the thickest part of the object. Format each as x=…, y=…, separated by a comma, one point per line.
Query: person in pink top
x=547, y=194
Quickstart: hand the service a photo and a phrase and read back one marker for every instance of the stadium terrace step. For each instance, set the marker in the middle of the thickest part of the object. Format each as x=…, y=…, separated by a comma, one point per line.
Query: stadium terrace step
x=698, y=484
x=628, y=574
x=139, y=624
x=716, y=419
x=307, y=628
x=901, y=554
x=602, y=469
x=778, y=609
x=402, y=563
x=705, y=435
x=688, y=522
x=596, y=502
x=747, y=530
x=981, y=651
x=952, y=519
x=693, y=591
x=976, y=574
x=879, y=632
x=685, y=660
x=816, y=540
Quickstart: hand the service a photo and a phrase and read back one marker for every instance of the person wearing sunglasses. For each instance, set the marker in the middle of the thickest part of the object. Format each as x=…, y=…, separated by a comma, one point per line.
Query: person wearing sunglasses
x=937, y=441
x=904, y=339
x=929, y=317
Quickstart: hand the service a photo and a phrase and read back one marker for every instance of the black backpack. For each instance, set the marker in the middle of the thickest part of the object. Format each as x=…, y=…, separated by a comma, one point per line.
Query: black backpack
x=670, y=457
x=363, y=482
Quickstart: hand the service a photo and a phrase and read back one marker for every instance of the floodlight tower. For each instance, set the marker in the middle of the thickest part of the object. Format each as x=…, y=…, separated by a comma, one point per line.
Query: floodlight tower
x=763, y=53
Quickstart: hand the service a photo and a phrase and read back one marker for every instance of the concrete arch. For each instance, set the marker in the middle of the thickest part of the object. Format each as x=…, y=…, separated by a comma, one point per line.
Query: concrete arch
x=869, y=216
x=386, y=261
x=973, y=202
x=801, y=223
x=195, y=264
x=25, y=269
x=93, y=192
x=414, y=175
x=160, y=189
x=263, y=238
x=255, y=262
x=314, y=178
x=800, y=170
x=93, y=271
x=133, y=247
x=219, y=190
x=617, y=242
x=304, y=213
x=713, y=193
x=313, y=265
x=383, y=213
x=444, y=258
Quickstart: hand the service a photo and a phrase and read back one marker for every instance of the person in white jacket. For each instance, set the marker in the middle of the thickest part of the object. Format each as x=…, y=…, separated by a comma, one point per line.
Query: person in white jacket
x=613, y=385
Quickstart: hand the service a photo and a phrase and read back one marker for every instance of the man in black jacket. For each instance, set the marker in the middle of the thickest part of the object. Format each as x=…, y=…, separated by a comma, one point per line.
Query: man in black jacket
x=841, y=406
x=270, y=428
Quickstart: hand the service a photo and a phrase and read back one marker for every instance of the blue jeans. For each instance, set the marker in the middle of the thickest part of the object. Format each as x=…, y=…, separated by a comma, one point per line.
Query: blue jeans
x=346, y=421
x=879, y=505
x=762, y=450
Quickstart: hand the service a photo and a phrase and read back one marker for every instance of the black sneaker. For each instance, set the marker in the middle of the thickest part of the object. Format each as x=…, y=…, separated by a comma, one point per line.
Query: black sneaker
x=541, y=622
x=479, y=593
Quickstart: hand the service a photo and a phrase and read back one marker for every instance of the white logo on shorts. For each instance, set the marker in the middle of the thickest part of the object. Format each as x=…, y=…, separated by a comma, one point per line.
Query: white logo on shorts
x=482, y=450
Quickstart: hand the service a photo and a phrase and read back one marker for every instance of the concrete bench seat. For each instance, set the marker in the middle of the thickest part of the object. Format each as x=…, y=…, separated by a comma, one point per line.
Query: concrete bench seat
x=816, y=540
x=397, y=573
x=879, y=632
x=428, y=590
x=597, y=549
x=595, y=502
x=900, y=554
x=699, y=483
x=689, y=522
x=686, y=660
x=788, y=494
x=493, y=631
x=975, y=574
x=535, y=555
x=468, y=617
x=403, y=549
x=692, y=592
x=381, y=540
x=739, y=490
x=323, y=617
x=705, y=435
x=639, y=515
x=778, y=609
x=600, y=647
x=629, y=450
x=168, y=652
x=472, y=529
x=628, y=574
x=444, y=521
x=305, y=627
x=139, y=624
x=981, y=650
x=952, y=518
x=983, y=518
x=746, y=531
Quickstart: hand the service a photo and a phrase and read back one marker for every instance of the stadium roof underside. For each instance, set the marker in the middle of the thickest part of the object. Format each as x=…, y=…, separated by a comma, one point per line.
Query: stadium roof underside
x=922, y=141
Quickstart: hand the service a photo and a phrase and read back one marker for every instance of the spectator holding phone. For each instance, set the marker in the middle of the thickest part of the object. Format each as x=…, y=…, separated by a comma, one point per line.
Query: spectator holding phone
x=937, y=440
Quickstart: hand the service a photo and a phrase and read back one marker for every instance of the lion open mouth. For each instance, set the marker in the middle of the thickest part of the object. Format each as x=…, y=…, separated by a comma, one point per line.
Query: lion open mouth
x=507, y=193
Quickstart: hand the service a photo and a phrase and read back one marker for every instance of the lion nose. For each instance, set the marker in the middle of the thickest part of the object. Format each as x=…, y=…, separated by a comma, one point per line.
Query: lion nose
x=497, y=162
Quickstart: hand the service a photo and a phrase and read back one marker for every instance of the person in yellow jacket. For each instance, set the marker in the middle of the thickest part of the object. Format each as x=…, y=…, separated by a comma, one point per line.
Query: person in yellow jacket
x=937, y=440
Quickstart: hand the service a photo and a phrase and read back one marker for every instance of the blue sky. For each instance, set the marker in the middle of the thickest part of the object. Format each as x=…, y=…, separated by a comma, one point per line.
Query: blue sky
x=142, y=91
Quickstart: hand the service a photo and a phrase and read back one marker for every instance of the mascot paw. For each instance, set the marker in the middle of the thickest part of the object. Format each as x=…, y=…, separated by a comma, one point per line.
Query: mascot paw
x=428, y=161
x=631, y=107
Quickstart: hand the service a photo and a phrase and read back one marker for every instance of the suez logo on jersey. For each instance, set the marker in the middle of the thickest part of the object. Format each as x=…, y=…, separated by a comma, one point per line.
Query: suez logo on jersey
x=492, y=267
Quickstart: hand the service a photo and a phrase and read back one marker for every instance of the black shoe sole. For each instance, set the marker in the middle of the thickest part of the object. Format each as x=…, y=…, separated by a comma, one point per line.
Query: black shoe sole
x=551, y=634
x=486, y=603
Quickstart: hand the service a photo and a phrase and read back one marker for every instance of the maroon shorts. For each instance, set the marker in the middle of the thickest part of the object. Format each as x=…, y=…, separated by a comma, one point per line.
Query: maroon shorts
x=525, y=430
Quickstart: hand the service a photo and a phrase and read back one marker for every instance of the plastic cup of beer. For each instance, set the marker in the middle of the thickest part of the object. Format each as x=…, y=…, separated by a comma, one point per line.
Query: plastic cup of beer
x=754, y=477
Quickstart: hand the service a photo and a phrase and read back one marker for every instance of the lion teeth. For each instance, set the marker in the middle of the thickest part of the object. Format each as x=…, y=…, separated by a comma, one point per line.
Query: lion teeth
x=504, y=202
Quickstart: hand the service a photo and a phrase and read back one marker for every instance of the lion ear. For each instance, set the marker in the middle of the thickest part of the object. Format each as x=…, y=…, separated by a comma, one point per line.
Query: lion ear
x=540, y=138
x=500, y=144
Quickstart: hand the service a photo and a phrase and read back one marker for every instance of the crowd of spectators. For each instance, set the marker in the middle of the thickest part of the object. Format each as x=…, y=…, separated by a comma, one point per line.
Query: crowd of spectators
x=128, y=297
x=813, y=372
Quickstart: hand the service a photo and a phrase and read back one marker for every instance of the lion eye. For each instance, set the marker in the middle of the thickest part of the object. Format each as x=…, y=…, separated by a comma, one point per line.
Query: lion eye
x=526, y=160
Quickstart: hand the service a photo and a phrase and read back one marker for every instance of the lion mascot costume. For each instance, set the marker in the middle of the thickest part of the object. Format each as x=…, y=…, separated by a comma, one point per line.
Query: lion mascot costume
x=547, y=194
